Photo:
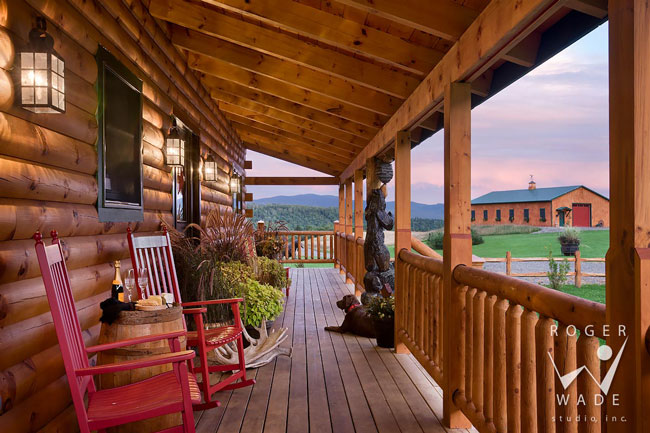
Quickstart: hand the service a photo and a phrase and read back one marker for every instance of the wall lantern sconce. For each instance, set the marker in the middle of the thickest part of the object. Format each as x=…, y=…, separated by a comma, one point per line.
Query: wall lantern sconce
x=175, y=147
x=235, y=184
x=42, y=73
x=210, y=169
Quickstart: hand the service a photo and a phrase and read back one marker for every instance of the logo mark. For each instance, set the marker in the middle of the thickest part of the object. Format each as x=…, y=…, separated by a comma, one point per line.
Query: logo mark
x=604, y=353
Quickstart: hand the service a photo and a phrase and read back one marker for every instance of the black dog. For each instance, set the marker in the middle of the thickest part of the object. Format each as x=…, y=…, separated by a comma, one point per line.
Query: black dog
x=357, y=321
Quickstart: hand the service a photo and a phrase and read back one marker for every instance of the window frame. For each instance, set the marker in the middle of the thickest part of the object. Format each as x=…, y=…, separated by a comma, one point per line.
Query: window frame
x=542, y=214
x=115, y=212
x=526, y=215
x=498, y=215
x=485, y=214
x=511, y=215
x=473, y=215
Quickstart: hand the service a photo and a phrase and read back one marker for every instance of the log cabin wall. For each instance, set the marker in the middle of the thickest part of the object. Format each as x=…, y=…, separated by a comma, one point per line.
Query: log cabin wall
x=48, y=180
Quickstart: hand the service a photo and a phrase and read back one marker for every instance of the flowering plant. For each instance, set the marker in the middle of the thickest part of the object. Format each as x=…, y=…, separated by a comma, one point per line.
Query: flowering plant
x=382, y=308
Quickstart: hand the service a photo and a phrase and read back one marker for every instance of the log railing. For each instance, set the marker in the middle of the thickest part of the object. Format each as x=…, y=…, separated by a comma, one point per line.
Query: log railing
x=515, y=332
x=350, y=258
x=308, y=246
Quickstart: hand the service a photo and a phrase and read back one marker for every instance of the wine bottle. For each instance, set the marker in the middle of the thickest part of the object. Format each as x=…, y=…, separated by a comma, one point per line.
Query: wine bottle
x=117, y=289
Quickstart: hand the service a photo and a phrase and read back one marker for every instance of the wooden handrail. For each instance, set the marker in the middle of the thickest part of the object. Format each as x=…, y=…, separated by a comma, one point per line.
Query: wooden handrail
x=306, y=232
x=427, y=264
x=424, y=249
x=568, y=309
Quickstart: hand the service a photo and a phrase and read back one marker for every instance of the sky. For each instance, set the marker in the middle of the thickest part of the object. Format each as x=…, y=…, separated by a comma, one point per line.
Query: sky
x=552, y=124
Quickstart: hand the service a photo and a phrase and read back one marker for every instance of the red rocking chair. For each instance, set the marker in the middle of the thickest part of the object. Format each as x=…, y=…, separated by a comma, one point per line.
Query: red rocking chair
x=154, y=252
x=166, y=393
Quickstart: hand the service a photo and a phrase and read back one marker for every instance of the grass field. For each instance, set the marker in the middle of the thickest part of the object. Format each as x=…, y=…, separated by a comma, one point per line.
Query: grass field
x=593, y=292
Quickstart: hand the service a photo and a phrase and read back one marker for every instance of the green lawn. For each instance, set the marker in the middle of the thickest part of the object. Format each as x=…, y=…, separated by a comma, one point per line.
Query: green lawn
x=593, y=292
x=592, y=244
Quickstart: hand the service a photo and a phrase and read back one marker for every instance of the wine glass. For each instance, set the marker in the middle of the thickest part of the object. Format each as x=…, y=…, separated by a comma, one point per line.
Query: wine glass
x=129, y=285
x=143, y=280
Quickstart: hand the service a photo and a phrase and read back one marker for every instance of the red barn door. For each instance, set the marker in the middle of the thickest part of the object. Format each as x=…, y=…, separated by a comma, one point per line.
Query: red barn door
x=581, y=215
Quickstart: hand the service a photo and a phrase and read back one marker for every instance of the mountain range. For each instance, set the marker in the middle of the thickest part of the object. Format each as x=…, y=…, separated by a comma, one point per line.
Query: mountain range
x=418, y=210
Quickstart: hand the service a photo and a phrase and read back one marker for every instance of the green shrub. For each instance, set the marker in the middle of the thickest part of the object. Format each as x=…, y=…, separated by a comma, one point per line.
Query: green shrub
x=271, y=272
x=557, y=272
x=477, y=239
x=381, y=308
x=262, y=302
x=569, y=236
x=435, y=239
x=229, y=280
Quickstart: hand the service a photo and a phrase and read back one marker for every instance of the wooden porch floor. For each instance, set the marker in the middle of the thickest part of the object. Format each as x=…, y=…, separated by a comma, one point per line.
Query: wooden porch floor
x=332, y=383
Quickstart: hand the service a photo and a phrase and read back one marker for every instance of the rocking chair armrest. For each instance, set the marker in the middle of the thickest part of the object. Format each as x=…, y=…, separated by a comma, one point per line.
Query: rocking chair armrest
x=163, y=358
x=213, y=302
x=135, y=340
x=195, y=311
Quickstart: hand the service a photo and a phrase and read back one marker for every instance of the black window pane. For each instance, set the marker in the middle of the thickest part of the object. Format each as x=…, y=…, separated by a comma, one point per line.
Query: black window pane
x=121, y=141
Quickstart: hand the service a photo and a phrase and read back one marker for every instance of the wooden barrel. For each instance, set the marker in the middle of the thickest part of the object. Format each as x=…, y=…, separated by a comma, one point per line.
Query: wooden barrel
x=131, y=324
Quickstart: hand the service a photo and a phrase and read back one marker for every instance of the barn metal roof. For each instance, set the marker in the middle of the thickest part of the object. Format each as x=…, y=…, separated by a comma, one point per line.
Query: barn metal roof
x=528, y=195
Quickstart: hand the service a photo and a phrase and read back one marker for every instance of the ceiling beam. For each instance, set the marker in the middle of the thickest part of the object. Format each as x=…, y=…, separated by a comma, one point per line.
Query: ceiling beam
x=227, y=101
x=259, y=83
x=329, y=151
x=292, y=180
x=337, y=31
x=525, y=53
x=282, y=128
x=294, y=74
x=443, y=18
x=220, y=87
x=483, y=44
x=287, y=47
x=282, y=144
x=285, y=155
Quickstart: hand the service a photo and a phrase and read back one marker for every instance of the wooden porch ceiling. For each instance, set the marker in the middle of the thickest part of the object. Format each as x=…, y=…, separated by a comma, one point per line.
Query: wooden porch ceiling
x=314, y=81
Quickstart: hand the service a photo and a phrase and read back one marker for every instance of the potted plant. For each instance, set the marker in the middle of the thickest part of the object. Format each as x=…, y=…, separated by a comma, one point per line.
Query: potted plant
x=570, y=241
x=262, y=302
x=382, y=312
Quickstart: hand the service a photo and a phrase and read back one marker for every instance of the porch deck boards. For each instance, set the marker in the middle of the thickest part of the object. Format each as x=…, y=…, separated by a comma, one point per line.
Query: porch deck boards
x=333, y=383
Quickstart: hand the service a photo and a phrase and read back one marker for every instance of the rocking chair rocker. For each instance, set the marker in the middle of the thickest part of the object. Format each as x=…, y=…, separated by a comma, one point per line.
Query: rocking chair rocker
x=166, y=393
x=154, y=252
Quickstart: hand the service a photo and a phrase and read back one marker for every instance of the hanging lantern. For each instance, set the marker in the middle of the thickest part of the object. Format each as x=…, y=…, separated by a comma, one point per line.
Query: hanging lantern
x=175, y=147
x=42, y=72
x=210, y=169
x=235, y=185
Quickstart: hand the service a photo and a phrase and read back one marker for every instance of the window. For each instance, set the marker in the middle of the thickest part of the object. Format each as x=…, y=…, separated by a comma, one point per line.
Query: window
x=526, y=215
x=186, y=181
x=498, y=218
x=485, y=215
x=542, y=214
x=473, y=215
x=511, y=215
x=119, y=145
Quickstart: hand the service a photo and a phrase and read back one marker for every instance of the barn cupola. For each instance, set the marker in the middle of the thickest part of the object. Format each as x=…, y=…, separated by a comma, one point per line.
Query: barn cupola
x=532, y=185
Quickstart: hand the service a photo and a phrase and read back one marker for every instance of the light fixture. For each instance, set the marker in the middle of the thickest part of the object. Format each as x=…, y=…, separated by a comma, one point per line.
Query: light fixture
x=175, y=146
x=235, y=184
x=210, y=169
x=42, y=73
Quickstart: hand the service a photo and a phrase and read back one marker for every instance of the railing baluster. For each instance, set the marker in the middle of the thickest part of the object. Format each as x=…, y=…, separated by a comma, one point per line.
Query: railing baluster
x=513, y=367
x=565, y=360
x=528, y=372
x=478, y=322
x=588, y=356
x=488, y=358
x=469, y=342
x=545, y=376
x=499, y=365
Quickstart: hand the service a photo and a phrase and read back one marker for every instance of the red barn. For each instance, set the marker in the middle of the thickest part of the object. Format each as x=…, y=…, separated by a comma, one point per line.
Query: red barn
x=560, y=206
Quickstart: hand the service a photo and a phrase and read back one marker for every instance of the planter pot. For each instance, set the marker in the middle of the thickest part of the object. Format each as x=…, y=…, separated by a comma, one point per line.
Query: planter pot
x=385, y=331
x=569, y=249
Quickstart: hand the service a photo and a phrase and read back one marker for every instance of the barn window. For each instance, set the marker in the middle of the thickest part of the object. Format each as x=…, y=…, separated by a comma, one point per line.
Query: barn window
x=526, y=215
x=119, y=144
x=485, y=215
x=473, y=215
x=542, y=214
x=498, y=218
x=511, y=215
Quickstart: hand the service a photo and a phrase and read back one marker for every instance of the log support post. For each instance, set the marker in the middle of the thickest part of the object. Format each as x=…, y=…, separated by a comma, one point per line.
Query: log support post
x=457, y=244
x=341, y=227
x=402, y=214
x=628, y=257
x=348, y=230
x=358, y=228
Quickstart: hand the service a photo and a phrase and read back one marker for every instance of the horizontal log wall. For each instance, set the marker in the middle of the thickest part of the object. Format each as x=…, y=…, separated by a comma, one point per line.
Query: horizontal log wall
x=48, y=180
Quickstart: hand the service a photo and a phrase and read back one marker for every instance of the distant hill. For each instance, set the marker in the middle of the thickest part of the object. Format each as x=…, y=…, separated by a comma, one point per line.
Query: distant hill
x=418, y=210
